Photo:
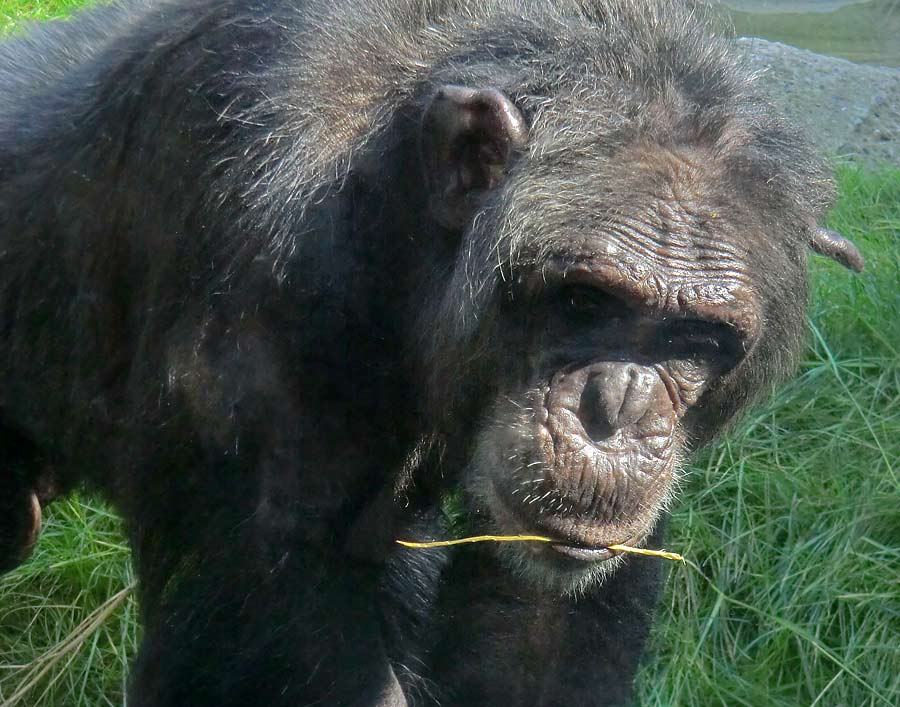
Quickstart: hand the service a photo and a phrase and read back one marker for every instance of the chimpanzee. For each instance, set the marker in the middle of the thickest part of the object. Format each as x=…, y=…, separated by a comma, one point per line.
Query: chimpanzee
x=275, y=275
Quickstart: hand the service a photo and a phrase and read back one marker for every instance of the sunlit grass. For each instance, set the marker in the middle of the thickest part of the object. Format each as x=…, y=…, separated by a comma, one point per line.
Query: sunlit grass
x=67, y=630
x=13, y=13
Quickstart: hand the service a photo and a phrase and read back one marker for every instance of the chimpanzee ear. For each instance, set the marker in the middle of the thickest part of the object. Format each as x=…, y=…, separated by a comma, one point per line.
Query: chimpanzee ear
x=468, y=140
x=833, y=245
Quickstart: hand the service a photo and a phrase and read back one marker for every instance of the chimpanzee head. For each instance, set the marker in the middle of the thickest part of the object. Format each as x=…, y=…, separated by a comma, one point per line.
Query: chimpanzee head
x=628, y=271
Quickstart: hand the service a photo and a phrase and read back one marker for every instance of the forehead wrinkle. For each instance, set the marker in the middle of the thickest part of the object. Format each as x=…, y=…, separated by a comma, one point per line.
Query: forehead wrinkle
x=670, y=240
x=654, y=204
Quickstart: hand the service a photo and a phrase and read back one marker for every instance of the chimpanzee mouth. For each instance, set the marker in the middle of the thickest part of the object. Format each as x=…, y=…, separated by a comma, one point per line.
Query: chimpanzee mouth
x=589, y=554
x=573, y=548
x=585, y=554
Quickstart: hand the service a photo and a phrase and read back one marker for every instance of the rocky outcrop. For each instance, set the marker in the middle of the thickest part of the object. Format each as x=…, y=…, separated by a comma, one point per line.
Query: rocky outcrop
x=851, y=110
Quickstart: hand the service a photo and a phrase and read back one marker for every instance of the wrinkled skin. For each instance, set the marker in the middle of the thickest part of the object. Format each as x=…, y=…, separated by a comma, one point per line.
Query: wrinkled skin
x=276, y=276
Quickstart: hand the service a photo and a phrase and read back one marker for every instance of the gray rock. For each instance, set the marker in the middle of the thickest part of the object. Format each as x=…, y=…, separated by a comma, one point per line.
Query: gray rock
x=851, y=110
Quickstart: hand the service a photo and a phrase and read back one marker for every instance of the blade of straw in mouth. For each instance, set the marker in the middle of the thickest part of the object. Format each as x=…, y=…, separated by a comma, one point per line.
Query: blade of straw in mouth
x=674, y=556
x=478, y=539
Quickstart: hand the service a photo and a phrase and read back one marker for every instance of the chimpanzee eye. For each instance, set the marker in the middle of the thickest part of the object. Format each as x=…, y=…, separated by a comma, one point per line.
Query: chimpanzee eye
x=586, y=302
x=693, y=339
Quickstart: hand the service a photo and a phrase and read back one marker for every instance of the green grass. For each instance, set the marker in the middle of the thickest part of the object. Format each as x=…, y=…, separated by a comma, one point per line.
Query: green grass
x=13, y=13
x=793, y=523
x=67, y=630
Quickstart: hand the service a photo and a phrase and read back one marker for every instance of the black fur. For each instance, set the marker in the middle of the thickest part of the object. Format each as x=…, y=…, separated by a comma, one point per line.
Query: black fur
x=225, y=304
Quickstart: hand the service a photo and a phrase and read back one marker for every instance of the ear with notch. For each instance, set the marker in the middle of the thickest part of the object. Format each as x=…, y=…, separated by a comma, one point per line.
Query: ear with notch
x=833, y=245
x=468, y=139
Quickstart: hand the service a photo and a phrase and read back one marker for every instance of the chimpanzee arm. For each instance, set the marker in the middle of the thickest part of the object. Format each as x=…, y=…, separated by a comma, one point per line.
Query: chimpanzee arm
x=240, y=521
x=227, y=635
x=235, y=622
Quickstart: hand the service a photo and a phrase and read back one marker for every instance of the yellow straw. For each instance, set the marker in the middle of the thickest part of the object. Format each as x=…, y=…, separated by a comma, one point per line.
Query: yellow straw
x=478, y=539
x=674, y=556
x=541, y=539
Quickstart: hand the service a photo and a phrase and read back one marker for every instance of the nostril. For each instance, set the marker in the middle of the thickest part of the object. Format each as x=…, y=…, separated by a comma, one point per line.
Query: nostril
x=598, y=411
x=615, y=395
x=638, y=395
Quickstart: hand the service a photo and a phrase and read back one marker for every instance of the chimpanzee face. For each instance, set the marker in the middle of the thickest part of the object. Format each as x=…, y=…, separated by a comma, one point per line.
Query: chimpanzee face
x=621, y=332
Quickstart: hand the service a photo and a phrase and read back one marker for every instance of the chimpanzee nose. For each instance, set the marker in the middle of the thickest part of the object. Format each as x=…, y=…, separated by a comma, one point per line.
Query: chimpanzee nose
x=616, y=394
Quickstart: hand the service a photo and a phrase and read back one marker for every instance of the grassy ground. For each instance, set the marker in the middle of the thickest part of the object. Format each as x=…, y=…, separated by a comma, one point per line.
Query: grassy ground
x=15, y=12
x=793, y=523
x=67, y=630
